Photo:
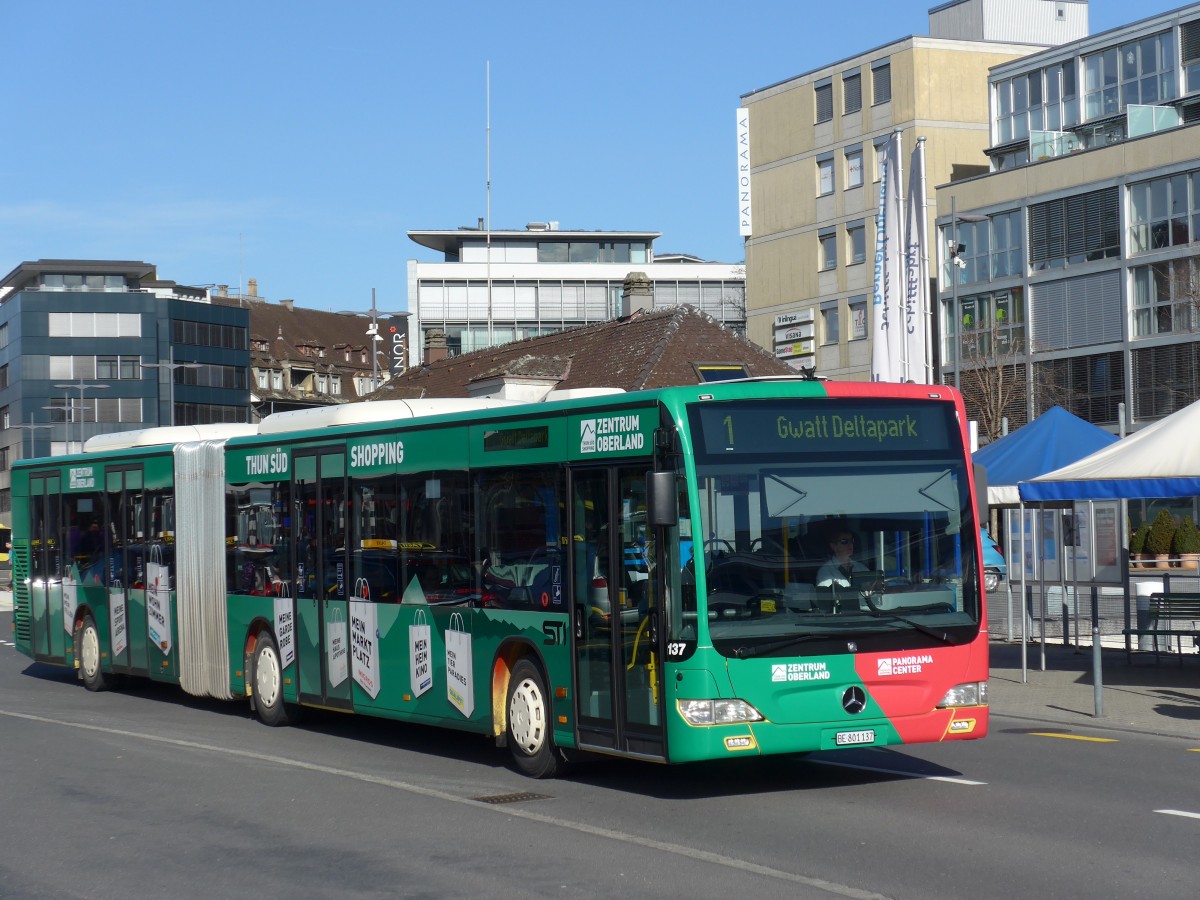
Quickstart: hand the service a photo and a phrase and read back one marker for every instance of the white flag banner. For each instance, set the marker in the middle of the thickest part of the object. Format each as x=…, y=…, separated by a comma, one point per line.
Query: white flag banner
x=887, y=307
x=916, y=275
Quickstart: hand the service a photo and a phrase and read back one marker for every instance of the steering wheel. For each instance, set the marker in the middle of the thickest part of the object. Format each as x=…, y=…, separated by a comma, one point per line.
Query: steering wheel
x=714, y=541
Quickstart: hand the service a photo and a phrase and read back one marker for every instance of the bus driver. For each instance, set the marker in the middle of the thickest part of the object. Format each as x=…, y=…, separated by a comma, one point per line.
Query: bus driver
x=841, y=565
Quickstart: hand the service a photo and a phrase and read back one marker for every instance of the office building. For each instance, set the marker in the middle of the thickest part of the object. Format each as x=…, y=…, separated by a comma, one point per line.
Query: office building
x=814, y=146
x=92, y=346
x=1069, y=273
x=492, y=287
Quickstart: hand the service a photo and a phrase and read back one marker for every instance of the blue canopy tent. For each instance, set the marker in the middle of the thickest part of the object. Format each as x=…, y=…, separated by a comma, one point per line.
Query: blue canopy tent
x=1054, y=439
x=1160, y=460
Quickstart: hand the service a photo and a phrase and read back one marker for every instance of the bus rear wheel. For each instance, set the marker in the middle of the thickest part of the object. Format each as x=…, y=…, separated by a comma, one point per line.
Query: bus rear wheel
x=90, y=663
x=528, y=722
x=267, y=683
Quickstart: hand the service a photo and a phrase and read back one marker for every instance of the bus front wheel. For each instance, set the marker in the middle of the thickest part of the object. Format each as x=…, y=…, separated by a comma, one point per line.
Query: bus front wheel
x=267, y=682
x=90, y=663
x=529, y=728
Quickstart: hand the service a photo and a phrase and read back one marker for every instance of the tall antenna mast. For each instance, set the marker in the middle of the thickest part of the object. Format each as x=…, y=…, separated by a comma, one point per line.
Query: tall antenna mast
x=488, y=223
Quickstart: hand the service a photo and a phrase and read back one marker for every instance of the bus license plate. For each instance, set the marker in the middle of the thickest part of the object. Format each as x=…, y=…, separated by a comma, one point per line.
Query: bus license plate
x=855, y=737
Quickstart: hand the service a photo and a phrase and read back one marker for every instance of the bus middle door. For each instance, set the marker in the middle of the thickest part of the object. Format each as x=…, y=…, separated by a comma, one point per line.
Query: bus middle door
x=319, y=553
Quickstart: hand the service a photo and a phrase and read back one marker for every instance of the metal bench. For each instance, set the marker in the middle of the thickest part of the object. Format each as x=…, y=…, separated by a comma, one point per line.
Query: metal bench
x=1173, y=614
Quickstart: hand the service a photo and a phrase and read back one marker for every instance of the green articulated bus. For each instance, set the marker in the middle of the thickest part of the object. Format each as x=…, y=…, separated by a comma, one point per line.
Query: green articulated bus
x=691, y=573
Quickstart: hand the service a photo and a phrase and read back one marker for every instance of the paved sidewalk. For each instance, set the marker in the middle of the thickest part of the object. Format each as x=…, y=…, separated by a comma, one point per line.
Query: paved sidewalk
x=1162, y=698
x=1138, y=695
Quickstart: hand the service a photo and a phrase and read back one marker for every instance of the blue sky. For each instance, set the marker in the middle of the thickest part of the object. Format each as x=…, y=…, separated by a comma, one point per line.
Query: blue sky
x=298, y=142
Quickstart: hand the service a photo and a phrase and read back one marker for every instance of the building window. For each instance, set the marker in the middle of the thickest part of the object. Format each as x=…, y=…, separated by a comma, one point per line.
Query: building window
x=335, y=385
x=1166, y=297
x=854, y=167
x=1041, y=100
x=824, y=176
x=1165, y=379
x=880, y=157
x=5, y=418
x=261, y=379
x=277, y=381
x=116, y=409
x=830, y=331
x=4, y=335
x=1091, y=387
x=827, y=239
x=1160, y=212
x=1006, y=244
x=1189, y=50
x=858, y=318
x=993, y=327
x=1073, y=230
x=86, y=324
x=3, y=377
x=856, y=242
x=1141, y=71
x=851, y=94
x=823, y=92
x=968, y=259
x=881, y=83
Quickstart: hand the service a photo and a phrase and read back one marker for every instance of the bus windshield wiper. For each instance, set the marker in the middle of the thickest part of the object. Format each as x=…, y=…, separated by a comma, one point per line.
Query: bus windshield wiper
x=912, y=623
x=747, y=652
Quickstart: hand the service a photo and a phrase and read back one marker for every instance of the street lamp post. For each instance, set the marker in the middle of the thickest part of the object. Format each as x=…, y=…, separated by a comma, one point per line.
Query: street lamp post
x=373, y=334
x=31, y=428
x=955, y=262
x=170, y=367
x=81, y=386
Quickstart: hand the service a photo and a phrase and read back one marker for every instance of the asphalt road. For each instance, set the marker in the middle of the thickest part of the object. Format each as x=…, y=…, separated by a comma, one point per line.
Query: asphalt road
x=149, y=792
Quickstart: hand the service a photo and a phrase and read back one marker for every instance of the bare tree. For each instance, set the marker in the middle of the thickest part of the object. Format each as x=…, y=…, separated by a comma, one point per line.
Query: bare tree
x=995, y=369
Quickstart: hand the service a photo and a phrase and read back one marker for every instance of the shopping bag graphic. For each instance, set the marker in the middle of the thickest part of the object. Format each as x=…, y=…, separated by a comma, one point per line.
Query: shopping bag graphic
x=335, y=647
x=285, y=630
x=116, y=618
x=460, y=683
x=158, y=601
x=420, y=668
x=364, y=644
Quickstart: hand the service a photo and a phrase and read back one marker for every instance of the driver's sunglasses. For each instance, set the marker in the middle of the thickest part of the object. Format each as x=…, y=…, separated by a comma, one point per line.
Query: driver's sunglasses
x=844, y=541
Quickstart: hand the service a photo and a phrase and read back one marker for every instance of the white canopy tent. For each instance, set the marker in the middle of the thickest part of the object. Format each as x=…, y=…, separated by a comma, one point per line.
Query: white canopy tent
x=1160, y=460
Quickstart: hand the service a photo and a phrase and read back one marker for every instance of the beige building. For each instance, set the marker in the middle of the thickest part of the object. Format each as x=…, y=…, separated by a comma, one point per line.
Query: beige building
x=1077, y=281
x=814, y=144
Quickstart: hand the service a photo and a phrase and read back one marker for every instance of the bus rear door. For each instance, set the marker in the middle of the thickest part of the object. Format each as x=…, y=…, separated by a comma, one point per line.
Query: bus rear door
x=321, y=597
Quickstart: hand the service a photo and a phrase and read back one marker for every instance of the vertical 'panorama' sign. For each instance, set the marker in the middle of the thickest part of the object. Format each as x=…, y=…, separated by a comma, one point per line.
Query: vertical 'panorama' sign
x=745, y=217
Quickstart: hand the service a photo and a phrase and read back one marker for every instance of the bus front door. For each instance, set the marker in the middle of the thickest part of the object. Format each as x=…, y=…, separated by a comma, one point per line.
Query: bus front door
x=321, y=598
x=47, y=634
x=615, y=614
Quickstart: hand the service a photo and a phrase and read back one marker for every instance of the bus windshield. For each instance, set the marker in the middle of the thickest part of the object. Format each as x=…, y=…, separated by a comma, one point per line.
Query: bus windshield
x=863, y=545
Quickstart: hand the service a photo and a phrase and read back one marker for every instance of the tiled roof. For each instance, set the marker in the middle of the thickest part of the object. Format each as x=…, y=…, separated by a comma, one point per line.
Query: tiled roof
x=646, y=350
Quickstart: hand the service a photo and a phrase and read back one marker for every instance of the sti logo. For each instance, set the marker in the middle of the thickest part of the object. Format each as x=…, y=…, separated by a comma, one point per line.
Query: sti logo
x=779, y=673
x=587, y=436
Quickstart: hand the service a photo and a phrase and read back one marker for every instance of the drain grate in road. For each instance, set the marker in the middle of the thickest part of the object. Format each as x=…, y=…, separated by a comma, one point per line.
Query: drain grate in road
x=519, y=797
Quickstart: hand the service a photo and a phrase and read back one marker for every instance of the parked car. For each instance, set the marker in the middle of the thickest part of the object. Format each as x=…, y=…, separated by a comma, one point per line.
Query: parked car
x=994, y=568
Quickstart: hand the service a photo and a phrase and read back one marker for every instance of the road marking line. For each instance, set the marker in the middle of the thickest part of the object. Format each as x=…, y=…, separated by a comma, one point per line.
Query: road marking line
x=1074, y=737
x=880, y=769
x=1178, y=812
x=830, y=887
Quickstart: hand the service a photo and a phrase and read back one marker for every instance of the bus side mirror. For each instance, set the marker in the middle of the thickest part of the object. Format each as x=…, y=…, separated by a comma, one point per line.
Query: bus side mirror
x=981, y=492
x=662, y=500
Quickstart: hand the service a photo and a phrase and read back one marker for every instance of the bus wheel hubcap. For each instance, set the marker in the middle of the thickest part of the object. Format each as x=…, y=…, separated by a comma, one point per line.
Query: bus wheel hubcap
x=526, y=717
x=91, y=651
x=267, y=682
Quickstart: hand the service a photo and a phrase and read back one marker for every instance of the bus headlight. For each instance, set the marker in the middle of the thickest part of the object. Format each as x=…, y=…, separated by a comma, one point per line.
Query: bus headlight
x=717, y=712
x=973, y=693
